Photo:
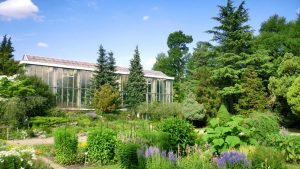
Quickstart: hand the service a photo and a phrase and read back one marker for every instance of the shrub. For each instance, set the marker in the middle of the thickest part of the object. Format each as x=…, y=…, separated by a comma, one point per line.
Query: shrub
x=158, y=110
x=232, y=159
x=229, y=135
x=263, y=123
x=106, y=99
x=266, y=157
x=293, y=96
x=154, y=138
x=181, y=133
x=223, y=114
x=192, y=110
x=288, y=145
x=47, y=122
x=128, y=156
x=101, y=145
x=65, y=143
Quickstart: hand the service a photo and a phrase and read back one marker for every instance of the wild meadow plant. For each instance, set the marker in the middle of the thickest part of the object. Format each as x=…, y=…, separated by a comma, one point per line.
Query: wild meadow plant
x=159, y=159
x=232, y=160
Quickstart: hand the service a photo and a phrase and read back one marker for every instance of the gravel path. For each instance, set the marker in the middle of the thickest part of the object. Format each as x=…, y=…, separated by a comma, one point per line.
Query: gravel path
x=37, y=141
x=51, y=163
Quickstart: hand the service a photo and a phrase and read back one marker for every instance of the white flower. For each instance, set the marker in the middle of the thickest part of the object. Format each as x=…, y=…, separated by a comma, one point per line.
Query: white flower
x=29, y=163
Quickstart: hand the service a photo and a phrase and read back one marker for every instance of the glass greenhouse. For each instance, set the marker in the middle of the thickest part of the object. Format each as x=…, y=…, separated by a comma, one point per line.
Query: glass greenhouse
x=70, y=81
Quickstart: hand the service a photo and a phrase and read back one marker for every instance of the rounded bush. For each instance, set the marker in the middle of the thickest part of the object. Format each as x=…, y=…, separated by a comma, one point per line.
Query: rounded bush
x=263, y=123
x=181, y=133
x=65, y=143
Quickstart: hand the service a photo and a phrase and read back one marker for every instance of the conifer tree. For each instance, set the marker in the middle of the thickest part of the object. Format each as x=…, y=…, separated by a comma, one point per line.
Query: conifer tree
x=101, y=72
x=112, y=76
x=8, y=66
x=136, y=85
x=233, y=35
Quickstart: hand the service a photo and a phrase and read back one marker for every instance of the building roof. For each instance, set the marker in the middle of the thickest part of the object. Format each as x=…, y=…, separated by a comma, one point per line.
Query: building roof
x=46, y=61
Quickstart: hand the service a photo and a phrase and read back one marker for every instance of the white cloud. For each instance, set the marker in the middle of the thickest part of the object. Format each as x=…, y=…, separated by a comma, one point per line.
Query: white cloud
x=18, y=9
x=298, y=11
x=42, y=45
x=145, y=18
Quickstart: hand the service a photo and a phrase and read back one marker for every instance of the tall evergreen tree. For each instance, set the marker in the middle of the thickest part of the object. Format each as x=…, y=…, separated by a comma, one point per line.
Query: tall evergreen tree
x=233, y=35
x=112, y=76
x=101, y=72
x=136, y=85
x=8, y=66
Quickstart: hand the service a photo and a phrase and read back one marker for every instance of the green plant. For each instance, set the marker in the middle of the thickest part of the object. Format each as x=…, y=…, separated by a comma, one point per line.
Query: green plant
x=106, y=99
x=196, y=160
x=128, y=156
x=101, y=145
x=266, y=157
x=154, y=138
x=181, y=133
x=47, y=122
x=65, y=143
x=289, y=145
x=229, y=135
x=223, y=114
x=263, y=124
x=192, y=110
x=158, y=110
x=158, y=161
x=17, y=158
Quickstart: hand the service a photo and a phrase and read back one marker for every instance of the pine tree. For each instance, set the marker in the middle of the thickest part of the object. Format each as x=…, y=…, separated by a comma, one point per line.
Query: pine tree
x=101, y=72
x=112, y=76
x=233, y=35
x=8, y=66
x=136, y=85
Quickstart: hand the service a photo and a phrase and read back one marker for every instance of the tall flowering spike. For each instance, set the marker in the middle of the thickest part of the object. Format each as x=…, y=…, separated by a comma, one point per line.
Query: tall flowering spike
x=232, y=159
x=164, y=153
x=171, y=156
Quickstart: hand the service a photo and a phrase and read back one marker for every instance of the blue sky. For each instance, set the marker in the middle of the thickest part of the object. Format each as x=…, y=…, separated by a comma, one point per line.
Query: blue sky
x=74, y=29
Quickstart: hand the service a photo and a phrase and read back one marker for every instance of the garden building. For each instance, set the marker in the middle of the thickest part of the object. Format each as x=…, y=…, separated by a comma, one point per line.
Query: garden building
x=70, y=81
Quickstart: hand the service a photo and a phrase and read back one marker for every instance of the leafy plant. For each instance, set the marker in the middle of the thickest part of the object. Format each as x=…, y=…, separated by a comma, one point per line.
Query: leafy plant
x=263, y=123
x=154, y=138
x=128, y=157
x=266, y=157
x=288, y=145
x=101, y=145
x=229, y=135
x=181, y=133
x=65, y=143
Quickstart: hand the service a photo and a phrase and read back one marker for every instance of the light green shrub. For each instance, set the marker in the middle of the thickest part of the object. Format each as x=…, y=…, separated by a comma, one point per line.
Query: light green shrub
x=181, y=133
x=263, y=123
x=192, y=110
x=223, y=114
x=158, y=110
x=266, y=157
x=154, y=138
x=101, y=145
x=65, y=143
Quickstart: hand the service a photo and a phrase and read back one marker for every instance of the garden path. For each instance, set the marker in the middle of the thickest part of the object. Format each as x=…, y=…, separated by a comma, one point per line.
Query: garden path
x=51, y=163
x=37, y=141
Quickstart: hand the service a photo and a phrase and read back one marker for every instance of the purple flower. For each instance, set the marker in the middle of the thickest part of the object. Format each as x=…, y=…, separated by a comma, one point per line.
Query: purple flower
x=151, y=151
x=164, y=153
x=230, y=159
x=171, y=156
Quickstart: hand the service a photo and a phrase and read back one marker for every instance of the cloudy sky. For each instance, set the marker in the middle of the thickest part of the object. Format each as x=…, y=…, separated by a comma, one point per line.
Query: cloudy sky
x=74, y=29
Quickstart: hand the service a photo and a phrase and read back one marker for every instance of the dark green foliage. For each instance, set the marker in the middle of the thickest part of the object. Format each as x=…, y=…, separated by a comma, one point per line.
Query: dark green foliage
x=128, y=156
x=136, y=85
x=47, y=122
x=101, y=145
x=8, y=66
x=266, y=157
x=229, y=135
x=233, y=35
x=158, y=110
x=163, y=64
x=105, y=70
x=264, y=123
x=289, y=145
x=253, y=96
x=181, y=133
x=65, y=143
x=223, y=114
